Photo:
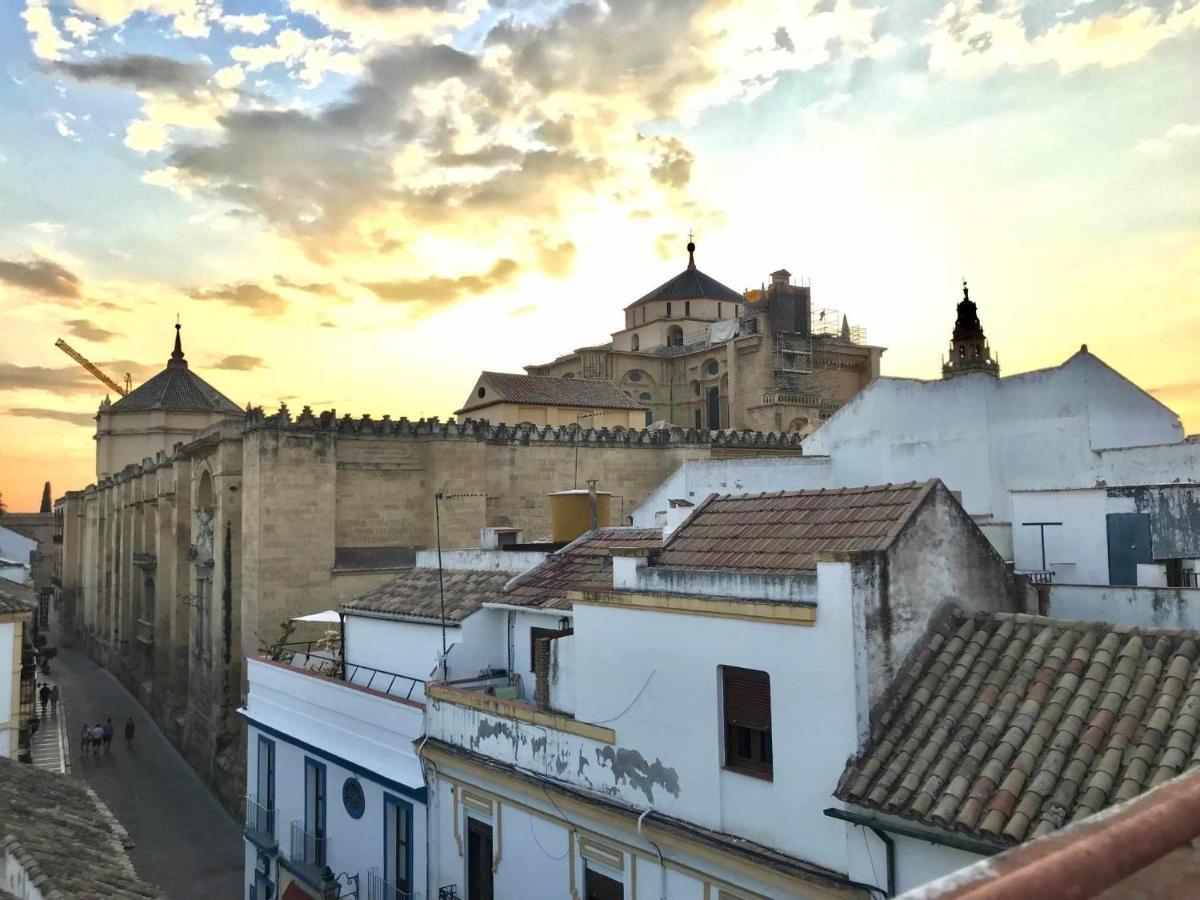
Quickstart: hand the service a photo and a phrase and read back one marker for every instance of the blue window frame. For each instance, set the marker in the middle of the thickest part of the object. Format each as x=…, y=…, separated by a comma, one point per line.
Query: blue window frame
x=264, y=814
x=314, y=811
x=397, y=846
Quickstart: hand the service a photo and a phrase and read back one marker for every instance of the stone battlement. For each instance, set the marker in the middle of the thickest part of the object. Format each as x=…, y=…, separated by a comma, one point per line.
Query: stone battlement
x=483, y=430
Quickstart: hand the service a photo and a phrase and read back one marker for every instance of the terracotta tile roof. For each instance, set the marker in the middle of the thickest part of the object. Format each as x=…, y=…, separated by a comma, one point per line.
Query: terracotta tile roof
x=542, y=390
x=414, y=594
x=1008, y=726
x=64, y=837
x=584, y=564
x=16, y=597
x=785, y=531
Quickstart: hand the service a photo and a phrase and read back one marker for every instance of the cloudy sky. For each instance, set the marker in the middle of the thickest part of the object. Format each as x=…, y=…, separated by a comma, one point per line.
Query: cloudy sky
x=359, y=204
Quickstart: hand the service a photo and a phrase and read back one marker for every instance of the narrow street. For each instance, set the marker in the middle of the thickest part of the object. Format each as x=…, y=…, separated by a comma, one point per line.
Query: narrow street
x=185, y=842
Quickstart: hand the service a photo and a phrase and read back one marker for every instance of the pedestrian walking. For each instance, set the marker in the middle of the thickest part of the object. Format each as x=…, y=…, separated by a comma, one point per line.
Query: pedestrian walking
x=97, y=734
x=107, y=730
x=44, y=694
x=54, y=699
x=85, y=740
x=129, y=729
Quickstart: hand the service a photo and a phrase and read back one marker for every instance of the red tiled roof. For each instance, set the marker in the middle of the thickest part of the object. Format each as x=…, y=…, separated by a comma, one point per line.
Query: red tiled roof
x=784, y=532
x=1008, y=726
x=417, y=593
x=540, y=390
x=584, y=564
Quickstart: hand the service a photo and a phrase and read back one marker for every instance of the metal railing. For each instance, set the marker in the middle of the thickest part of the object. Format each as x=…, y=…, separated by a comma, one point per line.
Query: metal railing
x=308, y=848
x=379, y=888
x=260, y=818
x=1190, y=578
x=1039, y=576
x=448, y=892
x=356, y=673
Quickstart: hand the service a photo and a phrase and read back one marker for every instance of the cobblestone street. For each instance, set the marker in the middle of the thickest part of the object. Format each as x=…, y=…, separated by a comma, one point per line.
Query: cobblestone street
x=184, y=840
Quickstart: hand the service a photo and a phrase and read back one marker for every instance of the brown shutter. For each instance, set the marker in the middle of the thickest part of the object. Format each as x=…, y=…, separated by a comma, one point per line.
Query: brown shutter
x=747, y=698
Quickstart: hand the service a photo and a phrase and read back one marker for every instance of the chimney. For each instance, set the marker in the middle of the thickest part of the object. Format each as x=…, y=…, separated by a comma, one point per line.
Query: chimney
x=677, y=513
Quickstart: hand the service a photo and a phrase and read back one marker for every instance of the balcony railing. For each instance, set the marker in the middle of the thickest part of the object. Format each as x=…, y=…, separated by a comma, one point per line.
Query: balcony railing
x=1038, y=576
x=448, y=892
x=1190, y=578
x=260, y=822
x=379, y=888
x=308, y=847
x=319, y=658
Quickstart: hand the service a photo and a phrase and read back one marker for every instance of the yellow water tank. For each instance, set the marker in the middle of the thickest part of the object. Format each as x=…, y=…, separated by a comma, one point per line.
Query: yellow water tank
x=571, y=513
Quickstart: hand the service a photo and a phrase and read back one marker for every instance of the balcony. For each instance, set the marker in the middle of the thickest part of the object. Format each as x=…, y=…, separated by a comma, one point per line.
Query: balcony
x=309, y=852
x=379, y=888
x=260, y=825
x=1037, y=576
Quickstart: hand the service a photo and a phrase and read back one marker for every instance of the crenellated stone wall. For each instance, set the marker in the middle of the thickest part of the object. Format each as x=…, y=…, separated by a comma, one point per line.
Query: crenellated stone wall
x=185, y=564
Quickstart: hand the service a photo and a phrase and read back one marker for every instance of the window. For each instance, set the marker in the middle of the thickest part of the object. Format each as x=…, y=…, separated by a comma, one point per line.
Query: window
x=699, y=419
x=314, y=812
x=598, y=886
x=687, y=309
x=713, y=367
x=264, y=812
x=644, y=396
x=635, y=342
x=668, y=310
x=719, y=310
x=674, y=336
x=534, y=634
x=747, y=705
x=397, y=846
x=635, y=376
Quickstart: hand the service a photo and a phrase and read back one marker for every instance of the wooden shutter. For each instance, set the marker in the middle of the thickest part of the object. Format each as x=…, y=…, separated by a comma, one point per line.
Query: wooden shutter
x=747, y=698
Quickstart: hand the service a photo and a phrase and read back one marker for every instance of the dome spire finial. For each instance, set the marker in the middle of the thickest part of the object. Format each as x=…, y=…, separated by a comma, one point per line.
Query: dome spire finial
x=691, y=249
x=177, y=353
x=966, y=295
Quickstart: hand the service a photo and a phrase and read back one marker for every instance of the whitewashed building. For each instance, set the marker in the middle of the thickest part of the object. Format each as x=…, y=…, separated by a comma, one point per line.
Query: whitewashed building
x=16, y=668
x=688, y=731
x=1069, y=445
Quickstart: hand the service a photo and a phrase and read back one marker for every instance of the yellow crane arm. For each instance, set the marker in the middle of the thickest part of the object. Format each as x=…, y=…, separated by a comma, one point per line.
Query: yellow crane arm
x=83, y=361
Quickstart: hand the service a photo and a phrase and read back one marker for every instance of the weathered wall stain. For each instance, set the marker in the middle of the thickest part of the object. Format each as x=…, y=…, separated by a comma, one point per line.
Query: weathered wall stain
x=633, y=768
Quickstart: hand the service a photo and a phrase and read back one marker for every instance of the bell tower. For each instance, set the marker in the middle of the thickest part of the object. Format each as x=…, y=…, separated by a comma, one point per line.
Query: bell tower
x=969, y=350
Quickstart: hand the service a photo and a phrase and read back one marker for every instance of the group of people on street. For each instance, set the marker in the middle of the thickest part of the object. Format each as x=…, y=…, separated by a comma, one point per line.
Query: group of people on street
x=49, y=694
x=97, y=739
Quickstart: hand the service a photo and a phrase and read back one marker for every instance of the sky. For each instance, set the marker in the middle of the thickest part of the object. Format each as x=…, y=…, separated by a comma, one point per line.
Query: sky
x=360, y=204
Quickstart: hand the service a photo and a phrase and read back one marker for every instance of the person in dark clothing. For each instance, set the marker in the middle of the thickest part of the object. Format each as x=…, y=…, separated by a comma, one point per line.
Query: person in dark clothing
x=108, y=734
x=44, y=694
x=129, y=729
x=54, y=699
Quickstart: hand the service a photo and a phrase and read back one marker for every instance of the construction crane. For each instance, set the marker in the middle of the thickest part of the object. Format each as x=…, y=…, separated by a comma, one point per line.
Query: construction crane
x=87, y=364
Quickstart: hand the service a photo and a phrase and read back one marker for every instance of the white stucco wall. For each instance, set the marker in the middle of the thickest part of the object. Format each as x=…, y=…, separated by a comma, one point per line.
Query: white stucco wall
x=665, y=709
x=1142, y=606
x=1076, y=551
x=474, y=560
x=408, y=648
x=916, y=861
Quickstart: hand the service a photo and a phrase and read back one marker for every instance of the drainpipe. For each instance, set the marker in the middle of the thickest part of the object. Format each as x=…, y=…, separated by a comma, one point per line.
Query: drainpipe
x=342, y=640
x=662, y=869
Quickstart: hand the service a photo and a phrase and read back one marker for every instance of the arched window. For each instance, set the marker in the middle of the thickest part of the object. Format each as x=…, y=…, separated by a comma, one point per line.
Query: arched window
x=645, y=397
x=674, y=336
x=798, y=425
x=635, y=342
x=569, y=375
x=635, y=376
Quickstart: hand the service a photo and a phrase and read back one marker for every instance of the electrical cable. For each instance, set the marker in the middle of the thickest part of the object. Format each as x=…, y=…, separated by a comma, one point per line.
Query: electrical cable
x=631, y=702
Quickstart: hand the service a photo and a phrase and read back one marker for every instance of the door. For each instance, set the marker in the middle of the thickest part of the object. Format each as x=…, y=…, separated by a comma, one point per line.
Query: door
x=597, y=886
x=314, y=812
x=1128, y=545
x=397, y=840
x=714, y=408
x=479, y=860
x=265, y=813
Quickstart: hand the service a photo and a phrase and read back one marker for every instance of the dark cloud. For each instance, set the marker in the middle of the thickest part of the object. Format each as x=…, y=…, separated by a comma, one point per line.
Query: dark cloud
x=783, y=40
x=139, y=71
x=247, y=295
x=68, y=379
x=238, y=363
x=42, y=276
x=87, y=420
x=89, y=332
x=311, y=287
x=674, y=163
x=435, y=292
x=312, y=173
x=558, y=133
